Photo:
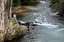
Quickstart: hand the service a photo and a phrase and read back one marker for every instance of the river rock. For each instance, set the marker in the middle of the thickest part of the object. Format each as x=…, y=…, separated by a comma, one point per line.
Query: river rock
x=16, y=31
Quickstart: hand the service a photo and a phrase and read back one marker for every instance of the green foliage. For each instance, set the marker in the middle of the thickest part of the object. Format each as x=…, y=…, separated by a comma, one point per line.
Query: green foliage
x=57, y=4
x=14, y=22
x=54, y=1
x=16, y=27
x=28, y=2
x=16, y=2
x=24, y=2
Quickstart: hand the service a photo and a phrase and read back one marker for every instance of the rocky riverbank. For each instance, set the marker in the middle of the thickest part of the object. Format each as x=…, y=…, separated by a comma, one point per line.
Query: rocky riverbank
x=14, y=32
x=23, y=10
x=18, y=30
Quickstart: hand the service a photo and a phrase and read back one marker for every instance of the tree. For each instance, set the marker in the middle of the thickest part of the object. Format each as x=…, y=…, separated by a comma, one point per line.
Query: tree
x=58, y=5
x=24, y=2
x=5, y=17
x=16, y=2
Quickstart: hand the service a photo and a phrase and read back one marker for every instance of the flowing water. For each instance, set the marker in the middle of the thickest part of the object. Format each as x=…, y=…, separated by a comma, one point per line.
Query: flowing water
x=50, y=29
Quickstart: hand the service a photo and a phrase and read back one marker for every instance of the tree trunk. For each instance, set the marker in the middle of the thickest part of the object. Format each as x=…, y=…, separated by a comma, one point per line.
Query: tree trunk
x=8, y=17
x=5, y=17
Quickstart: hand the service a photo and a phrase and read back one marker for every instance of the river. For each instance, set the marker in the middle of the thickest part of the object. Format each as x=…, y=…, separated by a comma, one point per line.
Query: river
x=50, y=27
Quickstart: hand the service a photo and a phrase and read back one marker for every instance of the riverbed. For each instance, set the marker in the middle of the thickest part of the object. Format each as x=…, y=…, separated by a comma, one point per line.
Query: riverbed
x=50, y=26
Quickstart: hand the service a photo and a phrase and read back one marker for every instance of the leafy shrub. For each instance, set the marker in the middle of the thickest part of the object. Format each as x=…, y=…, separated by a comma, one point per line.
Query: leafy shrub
x=57, y=5
x=24, y=2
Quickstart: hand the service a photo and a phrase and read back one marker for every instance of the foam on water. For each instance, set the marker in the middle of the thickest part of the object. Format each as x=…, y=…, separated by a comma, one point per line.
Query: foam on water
x=38, y=20
x=42, y=2
x=60, y=29
x=44, y=23
x=35, y=14
x=49, y=25
x=22, y=21
x=54, y=14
